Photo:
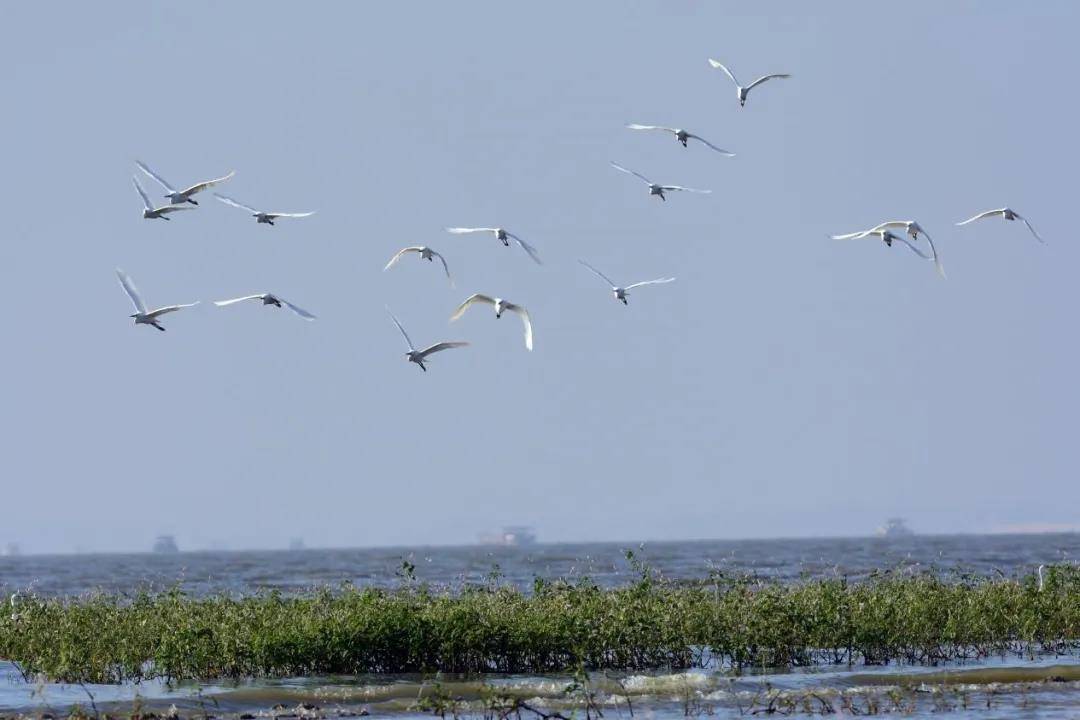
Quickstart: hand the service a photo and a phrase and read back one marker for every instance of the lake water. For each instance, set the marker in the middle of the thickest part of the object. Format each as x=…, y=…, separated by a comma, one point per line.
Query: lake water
x=1008, y=687
x=298, y=571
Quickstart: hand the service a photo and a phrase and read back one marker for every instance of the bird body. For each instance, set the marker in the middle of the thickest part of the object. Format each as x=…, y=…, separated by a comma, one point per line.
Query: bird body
x=656, y=188
x=1007, y=214
x=261, y=216
x=179, y=197
x=620, y=293
x=142, y=315
x=682, y=136
x=500, y=306
x=502, y=235
x=268, y=299
x=425, y=253
x=740, y=91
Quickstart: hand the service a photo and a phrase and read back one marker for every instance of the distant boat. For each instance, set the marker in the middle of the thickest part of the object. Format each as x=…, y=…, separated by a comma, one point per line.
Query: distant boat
x=894, y=528
x=296, y=544
x=511, y=536
x=165, y=544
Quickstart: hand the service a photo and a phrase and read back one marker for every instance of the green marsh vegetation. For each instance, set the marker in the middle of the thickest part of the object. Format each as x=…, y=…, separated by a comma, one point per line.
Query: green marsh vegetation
x=558, y=627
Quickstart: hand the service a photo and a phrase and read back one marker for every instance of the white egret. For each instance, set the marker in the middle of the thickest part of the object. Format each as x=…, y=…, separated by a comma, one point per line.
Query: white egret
x=149, y=211
x=425, y=253
x=178, y=197
x=656, y=188
x=260, y=215
x=142, y=315
x=420, y=356
x=500, y=306
x=741, y=91
x=1007, y=214
x=619, y=292
x=502, y=235
x=681, y=135
x=268, y=299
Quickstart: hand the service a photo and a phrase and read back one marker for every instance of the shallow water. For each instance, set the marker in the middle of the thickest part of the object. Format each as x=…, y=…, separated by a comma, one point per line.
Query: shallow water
x=296, y=571
x=1010, y=687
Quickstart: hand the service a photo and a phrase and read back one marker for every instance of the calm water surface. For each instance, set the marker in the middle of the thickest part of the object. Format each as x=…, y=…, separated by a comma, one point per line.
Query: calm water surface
x=298, y=571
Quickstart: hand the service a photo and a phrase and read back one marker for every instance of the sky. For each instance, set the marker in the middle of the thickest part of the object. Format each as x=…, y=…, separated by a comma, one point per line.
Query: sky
x=786, y=384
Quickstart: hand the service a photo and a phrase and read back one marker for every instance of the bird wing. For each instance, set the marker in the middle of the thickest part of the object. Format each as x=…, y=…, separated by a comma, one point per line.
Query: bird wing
x=445, y=267
x=635, y=126
x=980, y=216
x=914, y=249
x=462, y=231
x=658, y=281
x=223, y=303
x=199, y=187
x=854, y=235
x=525, y=319
x=437, y=347
x=169, y=309
x=151, y=173
x=599, y=274
x=474, y=298
x=172, y=208
x=230, y=201
x=526, y=247
x=703, y=140
x=937, y=259
x=298, y=310
x=620, y=168
x=403, y=333
x=763, y=78
x=723, y=67
x=289, y=215
x=684, y=189
x=132, y=291
x=142, y=193
x=1024, y=220
x=400, y=253
x=890, y=225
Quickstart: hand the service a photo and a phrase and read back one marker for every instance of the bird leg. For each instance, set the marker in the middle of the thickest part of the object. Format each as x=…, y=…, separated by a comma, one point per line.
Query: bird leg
x=192, y=201
x=158, y=327
x=164, y=217
x=624, y=301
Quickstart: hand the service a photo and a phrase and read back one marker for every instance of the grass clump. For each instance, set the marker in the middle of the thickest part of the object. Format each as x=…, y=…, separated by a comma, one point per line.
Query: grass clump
x=740, y=622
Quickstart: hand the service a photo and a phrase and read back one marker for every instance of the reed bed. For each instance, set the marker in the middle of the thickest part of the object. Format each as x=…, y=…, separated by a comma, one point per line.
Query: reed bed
x=558, y=627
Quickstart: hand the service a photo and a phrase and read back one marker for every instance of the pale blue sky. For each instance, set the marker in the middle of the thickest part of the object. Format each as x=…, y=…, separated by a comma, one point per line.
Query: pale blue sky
x=786, y=384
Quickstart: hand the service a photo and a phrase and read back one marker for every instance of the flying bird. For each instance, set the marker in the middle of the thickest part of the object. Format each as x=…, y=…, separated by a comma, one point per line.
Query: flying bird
x=741, y=91
x=656, y=189
x=501, y=306
x=149, y=211
x=681, y=135
x=142, y=315
x=259, y=215
x=179, y=197
x=268, y=299
x=426, y=253
x=502, y=235
x=420, y=356
x=911, y=227
x=619, y=292
x=1006, y=213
